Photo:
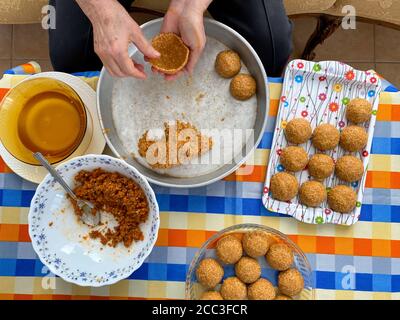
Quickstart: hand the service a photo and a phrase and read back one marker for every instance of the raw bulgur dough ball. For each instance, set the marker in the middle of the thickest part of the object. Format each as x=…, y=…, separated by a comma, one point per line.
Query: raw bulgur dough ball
x=342, y=199
x=290, y=282
x=321, y=166
x=211, y=295
x=294, y=158
x=256, y=243
x=312, y=193
x=282, y=297
x=229, y=249
x=353, y=138
x=227, y=63
x=262, y=289
x=358, y=111
x=280, y=256
x=233, y=289
x=349, y=168
x=209, y=273
x=243, y=86
x=284, y=186
x=298, y=131
x=248, y=269
x=325, y=137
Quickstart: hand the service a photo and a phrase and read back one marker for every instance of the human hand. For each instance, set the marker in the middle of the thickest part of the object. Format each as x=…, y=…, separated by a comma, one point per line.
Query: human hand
x=186, y=20
x=113, y=30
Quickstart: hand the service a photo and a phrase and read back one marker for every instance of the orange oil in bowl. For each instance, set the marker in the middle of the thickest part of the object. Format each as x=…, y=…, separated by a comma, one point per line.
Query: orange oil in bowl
x=42, y=115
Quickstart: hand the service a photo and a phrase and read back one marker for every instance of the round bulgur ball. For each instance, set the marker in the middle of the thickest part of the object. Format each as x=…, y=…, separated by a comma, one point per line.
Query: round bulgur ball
x=248, y=269
x=358, y=111
x=209, y=273
x=227, y=63
x=243, y=86
x=280, y=256
x=262, y=289
x=256, y=243
x=321, y=166
x=282, y=297
x=353, y=138
x=294, y=158
x=342, y=199
x=229, y=249
x=312, y=193
x=290, y=282
x=325, y=137
x=211, y=295
x=284, y=186
x=233, y=289
x=298, y=131
x=349, y=168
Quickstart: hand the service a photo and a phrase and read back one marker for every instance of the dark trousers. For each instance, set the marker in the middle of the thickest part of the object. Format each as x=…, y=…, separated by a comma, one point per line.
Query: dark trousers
x=262, y=22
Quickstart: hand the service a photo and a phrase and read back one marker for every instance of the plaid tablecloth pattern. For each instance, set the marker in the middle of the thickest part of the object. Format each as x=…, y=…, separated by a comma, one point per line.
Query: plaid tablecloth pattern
x=358, y=262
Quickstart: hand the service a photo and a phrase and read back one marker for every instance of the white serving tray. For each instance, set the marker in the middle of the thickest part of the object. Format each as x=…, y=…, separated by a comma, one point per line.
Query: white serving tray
x=319, y=92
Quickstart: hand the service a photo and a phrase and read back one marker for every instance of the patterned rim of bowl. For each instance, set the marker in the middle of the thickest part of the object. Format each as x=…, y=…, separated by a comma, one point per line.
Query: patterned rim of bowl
x=53, y=261
x=308, y=291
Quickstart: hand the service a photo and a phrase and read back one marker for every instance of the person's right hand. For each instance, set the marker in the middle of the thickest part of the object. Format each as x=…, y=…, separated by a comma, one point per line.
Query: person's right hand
x=185, y=18
x=113, y=30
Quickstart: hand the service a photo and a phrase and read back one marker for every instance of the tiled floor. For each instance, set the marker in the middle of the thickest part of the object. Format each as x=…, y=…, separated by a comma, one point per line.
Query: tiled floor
x=368, y=47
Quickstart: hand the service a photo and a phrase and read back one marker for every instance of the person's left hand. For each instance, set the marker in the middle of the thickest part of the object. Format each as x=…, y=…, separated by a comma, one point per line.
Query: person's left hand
x=187, y=22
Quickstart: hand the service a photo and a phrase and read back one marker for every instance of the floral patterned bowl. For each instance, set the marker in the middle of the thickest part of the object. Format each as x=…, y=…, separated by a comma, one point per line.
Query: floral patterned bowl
x=62, y=242
x=194, y=290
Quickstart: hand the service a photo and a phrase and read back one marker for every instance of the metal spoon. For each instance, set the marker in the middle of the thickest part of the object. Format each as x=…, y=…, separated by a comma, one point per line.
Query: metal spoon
x=86, y=207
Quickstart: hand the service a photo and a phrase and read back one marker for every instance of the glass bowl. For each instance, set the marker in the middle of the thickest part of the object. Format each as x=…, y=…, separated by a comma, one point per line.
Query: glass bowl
x=194, y=290
x=41, y=101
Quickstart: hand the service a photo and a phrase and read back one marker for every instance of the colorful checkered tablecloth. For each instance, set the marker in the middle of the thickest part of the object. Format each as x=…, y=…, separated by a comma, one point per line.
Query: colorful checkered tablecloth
x=358, y=262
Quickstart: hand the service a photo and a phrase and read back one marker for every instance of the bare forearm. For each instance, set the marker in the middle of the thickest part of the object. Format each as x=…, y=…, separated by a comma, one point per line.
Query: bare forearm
x=94, y=9
x=199, y=5
x=113, y=30
x=177, y=6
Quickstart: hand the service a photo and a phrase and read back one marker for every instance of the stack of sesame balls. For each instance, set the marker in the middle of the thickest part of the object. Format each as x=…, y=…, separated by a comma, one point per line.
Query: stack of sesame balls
x=243, y=251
